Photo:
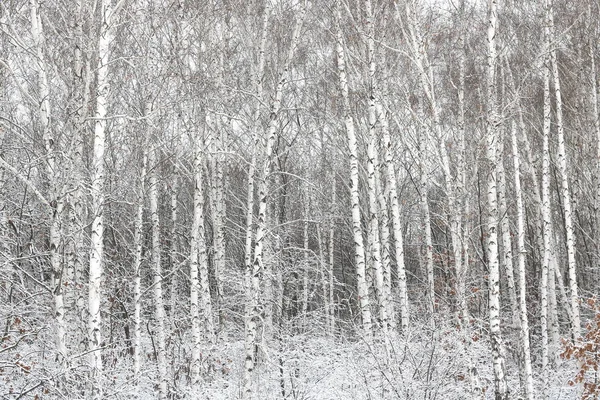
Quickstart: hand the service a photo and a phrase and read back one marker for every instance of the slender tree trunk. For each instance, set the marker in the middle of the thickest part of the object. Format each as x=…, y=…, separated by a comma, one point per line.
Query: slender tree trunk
x=522, y=252
x=359, y=256
x=384, y=235
x=159, y=313
x=565, y=191
x=97, y=248
x=596, y=118
x=507, y=255
x=253, y=312
x=426, y=221
x=427, y=84
x=331, y=277
x=249, y=283
x=493, y=122
x=137, y=269
x=392, y=194
x=374, y=240
x=305, y=264
x=174, y=250
x=200, y=301
x=546, y=213
x=56, y=198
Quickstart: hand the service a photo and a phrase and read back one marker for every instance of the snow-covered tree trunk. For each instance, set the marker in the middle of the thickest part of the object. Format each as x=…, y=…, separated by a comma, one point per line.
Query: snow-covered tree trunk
x=359, y=256
x=331, y=324
x=462, y=253
x=374, y=240
x=522, y=253
x=426, y=223
x=564, y=180
x=251, y=285
x=253, y=312
x=493, y=123
x=596, y=119
x=55, y=197
x=305, y=261
x=159, y=312
x=75, y=198
x=392, y=194
x=138, y=246
x=218, y=217
x=200, y=301
x=427, y=85
x=507, y=254
x=546, y=214
x=384, y=235
x=97, y=190
x=174, y=249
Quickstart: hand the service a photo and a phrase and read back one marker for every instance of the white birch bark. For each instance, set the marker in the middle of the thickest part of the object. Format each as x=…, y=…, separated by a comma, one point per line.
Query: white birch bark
x=374, y=240
x=305, y=261
x=258, y=263
x=200, y=301
x=97, y=234
x=546, y=213
x=427, y=84
x=493, y=123
x=359, y=256
x=565, y=191
x=251, y=289
x=507, y=256
x=324, y=275
x=426, y=221
x=82, y=77
x=596, y=118
x=258, y=79
x=174, y=250
x=331, y=324
x=137, y=267
x=522, y=252
x=392, y=194
x=384, y=235
x=159, y=313
x=55, y=197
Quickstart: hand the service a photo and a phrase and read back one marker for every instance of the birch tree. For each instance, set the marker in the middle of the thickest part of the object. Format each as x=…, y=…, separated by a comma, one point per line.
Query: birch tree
x=359, y=255
x=258, y=262
x=564, y=180
x=492, y=125
x=103, y=85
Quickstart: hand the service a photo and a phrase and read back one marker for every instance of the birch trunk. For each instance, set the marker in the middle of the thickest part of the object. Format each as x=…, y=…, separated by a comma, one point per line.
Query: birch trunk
x=565, y=191
x=82, y=77
x=392, y=194
x=258, y=265
x=137, y=269
x=174, y=250
x=251, y=286
x=522, y=252
x=426, y=220
x=159, y=313
x=359, y=255
x=546, y=213
x=493, y=123
x=384, y=235
x=427, y=85
x=305, y=263
x=331, y=324
x=199, y=291
x=97, y=234
x=507, y=255
x=56, y=199
x=374, y=240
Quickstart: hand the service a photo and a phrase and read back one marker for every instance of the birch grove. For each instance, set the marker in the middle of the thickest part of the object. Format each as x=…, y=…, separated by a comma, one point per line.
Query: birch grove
x=299, y=199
